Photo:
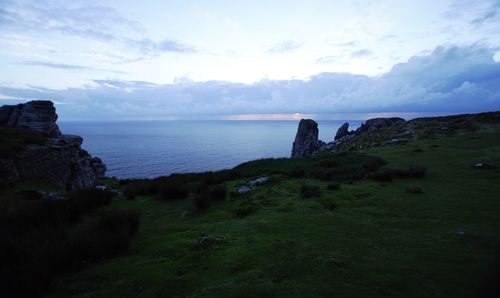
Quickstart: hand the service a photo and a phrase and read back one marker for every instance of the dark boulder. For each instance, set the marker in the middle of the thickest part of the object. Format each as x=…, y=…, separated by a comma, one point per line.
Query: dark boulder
x=306, y=140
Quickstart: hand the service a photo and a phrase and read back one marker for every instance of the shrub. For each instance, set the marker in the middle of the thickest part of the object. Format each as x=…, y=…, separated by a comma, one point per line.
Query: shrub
x=383, y=176
x=297, y=173
x=172, y=191
x=202, y=200
x=333, y=186
x=414, y=172
x=414, y=190
x=309, y=191
x=218, y=192
x=27, y=214
x=329, y=204
x=245, y=208
x=33, y=255
x=28, y=195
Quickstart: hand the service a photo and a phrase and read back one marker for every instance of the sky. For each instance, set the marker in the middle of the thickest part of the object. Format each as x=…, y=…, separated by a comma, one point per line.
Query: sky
x=273, y=59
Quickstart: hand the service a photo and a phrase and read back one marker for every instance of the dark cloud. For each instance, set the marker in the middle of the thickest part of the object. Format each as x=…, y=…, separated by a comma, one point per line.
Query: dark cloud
x=448, y=80
x=285, y=47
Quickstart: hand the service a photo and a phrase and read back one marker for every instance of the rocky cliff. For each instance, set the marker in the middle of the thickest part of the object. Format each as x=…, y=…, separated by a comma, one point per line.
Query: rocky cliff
x=307, y=142
x=54, y=158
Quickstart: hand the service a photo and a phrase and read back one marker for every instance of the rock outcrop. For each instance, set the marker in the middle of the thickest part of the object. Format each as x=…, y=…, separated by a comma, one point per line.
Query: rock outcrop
x=342, y=132
x=37, y=115
x=59, y=160
x=306, y=140
x=379, y=123
x=307, y=143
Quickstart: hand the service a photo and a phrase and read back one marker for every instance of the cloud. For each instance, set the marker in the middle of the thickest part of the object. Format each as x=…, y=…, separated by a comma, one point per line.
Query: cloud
x=327, y=59
x=361, y=53
x=152, y=48
x=448, y=80
x=95, y=22
x=55, y=65
x=64, y=66
x=285, y=47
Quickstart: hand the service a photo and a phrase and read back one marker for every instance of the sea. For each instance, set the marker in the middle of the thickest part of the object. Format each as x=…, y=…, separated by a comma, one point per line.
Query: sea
x=147, y=149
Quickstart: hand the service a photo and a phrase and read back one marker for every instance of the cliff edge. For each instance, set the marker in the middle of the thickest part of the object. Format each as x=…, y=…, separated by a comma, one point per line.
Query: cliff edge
x=34, y=149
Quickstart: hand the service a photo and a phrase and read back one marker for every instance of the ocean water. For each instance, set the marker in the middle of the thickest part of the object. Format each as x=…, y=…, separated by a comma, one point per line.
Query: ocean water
x=146, y=149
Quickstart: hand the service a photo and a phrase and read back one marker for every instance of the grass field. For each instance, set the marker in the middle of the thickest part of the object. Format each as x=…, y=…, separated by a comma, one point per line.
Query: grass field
x=366, y=239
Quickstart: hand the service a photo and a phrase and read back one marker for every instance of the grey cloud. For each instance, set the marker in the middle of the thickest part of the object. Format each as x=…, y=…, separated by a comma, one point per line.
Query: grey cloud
x=451, y=79
x=90, y=21
x=64, y=66
x=55, y=65
x=360, y=53
x=327, y=59
x=285, y=47
x=152, y=48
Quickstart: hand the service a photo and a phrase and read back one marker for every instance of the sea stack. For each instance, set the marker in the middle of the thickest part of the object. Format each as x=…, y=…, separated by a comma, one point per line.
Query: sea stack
x=306, y=140
x=51, y=157
x=343, y=131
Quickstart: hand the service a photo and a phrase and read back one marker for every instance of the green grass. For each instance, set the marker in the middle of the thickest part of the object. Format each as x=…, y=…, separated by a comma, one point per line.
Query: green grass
x=379, y=241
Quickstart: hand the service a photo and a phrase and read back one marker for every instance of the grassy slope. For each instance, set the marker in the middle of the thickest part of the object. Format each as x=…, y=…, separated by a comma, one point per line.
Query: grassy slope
x=384, y=241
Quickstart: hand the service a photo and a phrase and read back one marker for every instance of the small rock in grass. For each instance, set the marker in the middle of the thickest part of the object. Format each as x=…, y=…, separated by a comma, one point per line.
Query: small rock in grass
x=244, y=189
x=207, y=241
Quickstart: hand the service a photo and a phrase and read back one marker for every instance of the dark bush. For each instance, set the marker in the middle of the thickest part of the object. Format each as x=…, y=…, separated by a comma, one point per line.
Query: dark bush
x=218, y=192
x=309, y=191
x=28, y=195
x=416, y=171
x=297, y=173
x=328, y=164
x=202, y=200
x=373, y=164
x=413, y=189
x=333, y=186
x=27, y=214
x=245, y=208
x=413, y=172
x=173, y=192
x=329, y=204
x=31, y=256
x=384, y=176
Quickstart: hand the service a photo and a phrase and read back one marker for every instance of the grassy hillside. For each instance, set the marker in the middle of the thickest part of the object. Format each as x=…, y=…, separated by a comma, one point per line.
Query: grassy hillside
x=303, y=235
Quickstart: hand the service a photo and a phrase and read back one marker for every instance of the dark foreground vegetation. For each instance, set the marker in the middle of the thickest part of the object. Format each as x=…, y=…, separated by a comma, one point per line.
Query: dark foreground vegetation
x=41, y=238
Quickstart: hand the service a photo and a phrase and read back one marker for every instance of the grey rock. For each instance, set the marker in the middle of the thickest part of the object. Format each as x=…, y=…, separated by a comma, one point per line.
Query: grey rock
x=207, y=241
x=342, y=131
x=60, y=160
x=257, y=182
x=37, y=115
x=244, y=189
x=8, y=172
x=306, y=140
x=52, y=196
x=379, y=123
x=397, y=141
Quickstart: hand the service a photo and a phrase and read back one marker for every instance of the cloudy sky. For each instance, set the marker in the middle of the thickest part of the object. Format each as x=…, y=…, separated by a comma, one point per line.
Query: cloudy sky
x=221, y=59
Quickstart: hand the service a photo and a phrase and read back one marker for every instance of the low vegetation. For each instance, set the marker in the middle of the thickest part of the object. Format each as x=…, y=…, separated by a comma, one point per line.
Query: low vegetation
x=42, y=238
